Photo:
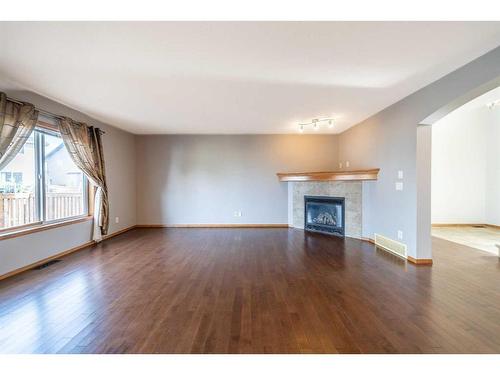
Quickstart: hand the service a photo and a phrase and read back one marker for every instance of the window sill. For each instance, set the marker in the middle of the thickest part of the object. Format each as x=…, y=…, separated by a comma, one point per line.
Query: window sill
x=41, y=227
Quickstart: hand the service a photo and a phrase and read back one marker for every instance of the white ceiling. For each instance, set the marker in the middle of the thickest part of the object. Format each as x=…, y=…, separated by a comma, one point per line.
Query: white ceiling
x=235, y=77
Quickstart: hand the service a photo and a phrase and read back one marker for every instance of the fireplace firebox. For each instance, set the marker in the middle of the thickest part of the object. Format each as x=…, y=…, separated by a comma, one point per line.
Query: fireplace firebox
x=324, y=214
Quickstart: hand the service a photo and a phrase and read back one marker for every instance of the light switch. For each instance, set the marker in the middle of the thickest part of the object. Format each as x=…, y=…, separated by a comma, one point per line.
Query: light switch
x=399, y=186
x=400, y=175
x=347, y=164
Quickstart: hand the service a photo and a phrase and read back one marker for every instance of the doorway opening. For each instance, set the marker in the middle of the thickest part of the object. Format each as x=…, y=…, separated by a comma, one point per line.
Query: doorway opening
x=465, y=182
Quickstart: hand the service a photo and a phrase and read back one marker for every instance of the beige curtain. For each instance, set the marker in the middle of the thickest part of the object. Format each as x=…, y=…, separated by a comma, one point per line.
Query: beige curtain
x=84, y=144
x=17, y=121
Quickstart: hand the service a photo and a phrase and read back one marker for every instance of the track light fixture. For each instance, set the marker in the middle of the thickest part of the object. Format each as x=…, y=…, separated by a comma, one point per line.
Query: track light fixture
x=494, y=104
x=315, y=123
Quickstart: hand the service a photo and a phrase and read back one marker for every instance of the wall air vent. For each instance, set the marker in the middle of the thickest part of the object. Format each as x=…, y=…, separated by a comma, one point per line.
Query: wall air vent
x=394, y=247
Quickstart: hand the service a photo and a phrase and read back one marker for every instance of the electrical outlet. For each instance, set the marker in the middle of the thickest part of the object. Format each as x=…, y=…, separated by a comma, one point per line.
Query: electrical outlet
x=400, y=175
x=237, y=213
x=399, y=186
x=340, y=165
x=117, y=220
x=347, y=164
x=400, y=234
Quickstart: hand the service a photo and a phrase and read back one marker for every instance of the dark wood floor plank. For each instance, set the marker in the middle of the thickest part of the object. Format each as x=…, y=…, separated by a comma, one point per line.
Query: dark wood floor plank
x=252, y=291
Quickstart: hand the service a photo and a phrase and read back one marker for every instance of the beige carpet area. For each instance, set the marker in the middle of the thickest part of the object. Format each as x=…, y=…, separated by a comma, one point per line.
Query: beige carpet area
x=479, y=237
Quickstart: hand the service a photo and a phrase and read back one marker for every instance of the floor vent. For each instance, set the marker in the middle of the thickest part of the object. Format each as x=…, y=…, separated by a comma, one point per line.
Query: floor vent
x=395, y=247
x=478, y=226
x=49, y=263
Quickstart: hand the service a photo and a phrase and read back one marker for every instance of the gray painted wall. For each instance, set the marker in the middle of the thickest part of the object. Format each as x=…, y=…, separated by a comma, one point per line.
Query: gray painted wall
x=389, y=140
x=199, y=179
x=119, y=152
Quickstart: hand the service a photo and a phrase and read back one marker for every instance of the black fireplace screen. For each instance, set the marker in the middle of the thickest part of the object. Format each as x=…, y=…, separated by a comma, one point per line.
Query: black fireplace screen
x=324, y=214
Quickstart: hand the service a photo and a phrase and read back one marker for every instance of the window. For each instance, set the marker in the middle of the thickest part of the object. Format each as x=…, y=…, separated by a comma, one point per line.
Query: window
x=18, y=177
x=64, y=182
x=59, y=192
x=18, y=203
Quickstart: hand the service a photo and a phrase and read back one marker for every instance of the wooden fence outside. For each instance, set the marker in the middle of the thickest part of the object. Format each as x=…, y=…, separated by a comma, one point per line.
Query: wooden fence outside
x=20, y=208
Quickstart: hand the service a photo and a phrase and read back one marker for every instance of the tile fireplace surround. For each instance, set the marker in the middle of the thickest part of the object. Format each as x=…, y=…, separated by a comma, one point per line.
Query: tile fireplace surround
x=350, y=190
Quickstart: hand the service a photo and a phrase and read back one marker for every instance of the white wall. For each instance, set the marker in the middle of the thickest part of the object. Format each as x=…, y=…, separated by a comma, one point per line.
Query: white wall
x=465, y=173
x=459, y=169
x=493, y=166
x=388, y=140
x=203, y=179
x=119, y=152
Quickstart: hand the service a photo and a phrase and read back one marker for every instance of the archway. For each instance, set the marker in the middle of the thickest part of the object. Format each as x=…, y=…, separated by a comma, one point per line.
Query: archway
x=424, y=162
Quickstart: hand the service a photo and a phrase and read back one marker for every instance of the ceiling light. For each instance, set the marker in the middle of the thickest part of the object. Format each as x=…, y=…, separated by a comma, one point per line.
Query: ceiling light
x=493, y=104
x=316, y=123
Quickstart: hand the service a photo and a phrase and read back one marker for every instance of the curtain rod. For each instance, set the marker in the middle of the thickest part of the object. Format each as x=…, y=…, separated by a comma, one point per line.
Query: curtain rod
x=46, y=113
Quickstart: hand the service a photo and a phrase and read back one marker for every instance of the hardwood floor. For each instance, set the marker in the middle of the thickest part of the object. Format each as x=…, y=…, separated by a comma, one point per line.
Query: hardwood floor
x=252, y=291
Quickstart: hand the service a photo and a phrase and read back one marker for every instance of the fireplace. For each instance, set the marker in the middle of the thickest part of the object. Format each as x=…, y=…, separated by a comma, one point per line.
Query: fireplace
x=324, y=214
